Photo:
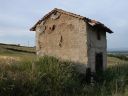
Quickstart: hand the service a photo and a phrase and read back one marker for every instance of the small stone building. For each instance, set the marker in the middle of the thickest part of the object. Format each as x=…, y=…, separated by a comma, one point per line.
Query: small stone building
x=72, y=37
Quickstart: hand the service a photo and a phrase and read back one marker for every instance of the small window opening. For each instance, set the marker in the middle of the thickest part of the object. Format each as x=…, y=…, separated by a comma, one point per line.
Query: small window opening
x=52, y=28
x=98, y=35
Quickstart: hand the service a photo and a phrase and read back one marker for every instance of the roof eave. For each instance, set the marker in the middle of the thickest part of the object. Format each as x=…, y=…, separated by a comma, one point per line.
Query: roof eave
x=106, y=29
x=110, y=32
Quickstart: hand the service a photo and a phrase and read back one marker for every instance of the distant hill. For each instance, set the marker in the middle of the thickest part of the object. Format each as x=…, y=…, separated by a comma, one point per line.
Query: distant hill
x=121, y=52
x=117, y=49
x=17, y=49
x=13, y=49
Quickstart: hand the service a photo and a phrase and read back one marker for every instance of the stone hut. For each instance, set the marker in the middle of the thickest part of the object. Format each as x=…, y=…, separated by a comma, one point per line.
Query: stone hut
x=72, y=37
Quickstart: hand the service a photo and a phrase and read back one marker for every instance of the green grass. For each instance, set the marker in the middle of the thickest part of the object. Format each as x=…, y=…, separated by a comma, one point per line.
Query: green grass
x=9, y=49
x=48, y=76
x=12, y=52
x=24, y=74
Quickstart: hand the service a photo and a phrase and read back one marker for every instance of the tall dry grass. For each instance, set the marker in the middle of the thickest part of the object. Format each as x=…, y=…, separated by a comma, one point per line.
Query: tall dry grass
x=48, y=76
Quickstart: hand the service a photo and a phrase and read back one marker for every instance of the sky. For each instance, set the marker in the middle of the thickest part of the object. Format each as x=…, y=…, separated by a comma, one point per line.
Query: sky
x=18, y=16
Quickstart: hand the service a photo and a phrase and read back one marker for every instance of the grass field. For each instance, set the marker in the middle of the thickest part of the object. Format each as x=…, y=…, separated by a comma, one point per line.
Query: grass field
x=9, y=51
x=22, y=73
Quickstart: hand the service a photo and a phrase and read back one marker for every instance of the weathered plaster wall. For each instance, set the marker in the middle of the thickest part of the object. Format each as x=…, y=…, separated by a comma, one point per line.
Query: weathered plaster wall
x=63, y=36
x=96, y=46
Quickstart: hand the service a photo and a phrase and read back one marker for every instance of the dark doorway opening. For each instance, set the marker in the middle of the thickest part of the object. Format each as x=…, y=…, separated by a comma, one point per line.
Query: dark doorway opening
x=99, y=62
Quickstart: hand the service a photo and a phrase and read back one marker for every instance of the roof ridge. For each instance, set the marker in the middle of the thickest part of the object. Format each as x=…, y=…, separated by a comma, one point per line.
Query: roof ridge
x=59, y=10
x=70, y=13
x=89, y=21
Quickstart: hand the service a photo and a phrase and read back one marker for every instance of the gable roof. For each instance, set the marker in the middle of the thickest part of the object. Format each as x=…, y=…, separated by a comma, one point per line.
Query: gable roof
x=91, y=22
